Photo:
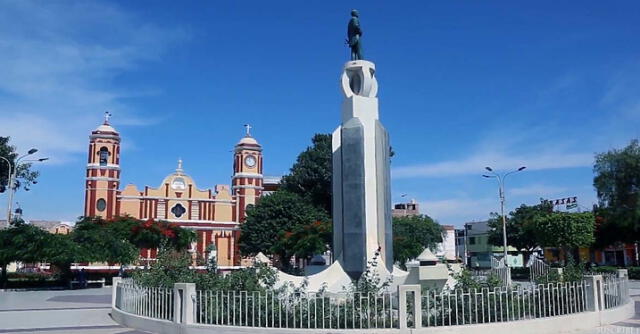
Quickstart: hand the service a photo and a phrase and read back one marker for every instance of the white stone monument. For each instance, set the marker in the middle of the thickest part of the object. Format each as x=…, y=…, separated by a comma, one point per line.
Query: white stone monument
x=361, y=189
x=361, y=181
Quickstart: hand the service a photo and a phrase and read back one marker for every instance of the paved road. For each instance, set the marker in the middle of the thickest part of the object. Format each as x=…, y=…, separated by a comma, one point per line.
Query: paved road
x=62, y=311
x=87, y=311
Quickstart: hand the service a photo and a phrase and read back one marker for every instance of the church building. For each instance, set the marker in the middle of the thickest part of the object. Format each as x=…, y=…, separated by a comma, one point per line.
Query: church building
x=215, y=214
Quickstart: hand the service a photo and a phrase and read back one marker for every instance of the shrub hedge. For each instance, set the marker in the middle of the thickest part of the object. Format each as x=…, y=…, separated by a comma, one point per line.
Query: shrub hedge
x=634, y=272
x=522, y=273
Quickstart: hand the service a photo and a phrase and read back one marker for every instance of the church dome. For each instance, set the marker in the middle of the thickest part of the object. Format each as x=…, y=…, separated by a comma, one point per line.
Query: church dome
x=248, y=140
x=105, y=128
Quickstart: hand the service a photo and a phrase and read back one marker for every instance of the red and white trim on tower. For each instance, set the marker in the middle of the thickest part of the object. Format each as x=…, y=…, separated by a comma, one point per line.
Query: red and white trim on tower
x=102, y=179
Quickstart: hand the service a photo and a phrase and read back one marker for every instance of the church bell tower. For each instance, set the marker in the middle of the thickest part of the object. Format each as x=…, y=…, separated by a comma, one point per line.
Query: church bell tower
x=247, y=173
x=103, y=172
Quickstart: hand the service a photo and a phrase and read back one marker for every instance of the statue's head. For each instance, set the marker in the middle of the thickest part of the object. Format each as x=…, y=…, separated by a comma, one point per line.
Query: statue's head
x=354, y=13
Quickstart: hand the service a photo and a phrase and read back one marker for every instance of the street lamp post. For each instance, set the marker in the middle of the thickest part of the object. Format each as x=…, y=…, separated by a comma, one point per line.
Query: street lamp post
x=501, y=179
x=12, y=180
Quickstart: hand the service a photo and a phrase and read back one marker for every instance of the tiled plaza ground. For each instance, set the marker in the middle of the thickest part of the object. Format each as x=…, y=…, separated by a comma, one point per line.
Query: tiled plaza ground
x=62, y=311
x=87, y=311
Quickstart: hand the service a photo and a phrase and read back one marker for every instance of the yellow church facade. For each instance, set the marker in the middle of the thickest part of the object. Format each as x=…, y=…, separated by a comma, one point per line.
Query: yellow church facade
x=214, y=214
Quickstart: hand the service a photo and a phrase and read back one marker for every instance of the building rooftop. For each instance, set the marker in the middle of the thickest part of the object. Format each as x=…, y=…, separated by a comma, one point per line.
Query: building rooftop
x=271, y=179
x=248, y=140
x=105, y=128
x=43, y=224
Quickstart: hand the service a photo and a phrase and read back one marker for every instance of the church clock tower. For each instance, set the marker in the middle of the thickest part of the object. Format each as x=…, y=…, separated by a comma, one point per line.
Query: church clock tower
x=247, y=174
x=103, y=172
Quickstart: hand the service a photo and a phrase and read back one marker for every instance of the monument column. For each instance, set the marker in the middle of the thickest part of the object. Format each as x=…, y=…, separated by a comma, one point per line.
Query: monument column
x=361, y=179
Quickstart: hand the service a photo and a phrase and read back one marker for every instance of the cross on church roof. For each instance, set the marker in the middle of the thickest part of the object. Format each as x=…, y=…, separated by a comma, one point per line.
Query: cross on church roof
x=107, y=115
x=248, y=127
x=179, y=169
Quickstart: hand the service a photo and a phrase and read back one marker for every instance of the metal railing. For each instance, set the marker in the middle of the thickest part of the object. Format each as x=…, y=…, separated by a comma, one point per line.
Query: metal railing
x=615, y=291
x=537, y=268
x=502, y=304
x=348, y=310
x=503, y=273
x=296, y=310
x=148, y=302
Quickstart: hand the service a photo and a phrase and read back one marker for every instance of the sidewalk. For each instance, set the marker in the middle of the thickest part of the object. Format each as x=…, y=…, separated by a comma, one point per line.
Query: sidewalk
x=629, y=326
x=60, y=311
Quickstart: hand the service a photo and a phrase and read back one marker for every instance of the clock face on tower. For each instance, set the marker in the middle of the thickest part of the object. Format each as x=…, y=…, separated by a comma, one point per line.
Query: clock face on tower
x=250, y=161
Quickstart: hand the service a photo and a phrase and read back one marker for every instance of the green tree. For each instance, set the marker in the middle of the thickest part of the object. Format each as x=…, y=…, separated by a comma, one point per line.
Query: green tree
x=25, y=177
x=412, y=234
x=21, y=242
x=566, y=230
x=273, y=215
x=152, y=233
x=120, y=237
x=60, y=252
x=172, y=266
x=609, y=230
x=617, y=182
x=98, y=241
x=522, y=231
x=310, y=176
x=304, y=241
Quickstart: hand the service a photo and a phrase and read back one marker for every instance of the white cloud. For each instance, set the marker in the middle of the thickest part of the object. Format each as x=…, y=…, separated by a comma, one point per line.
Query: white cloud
x=57, y=64
x=475, y=164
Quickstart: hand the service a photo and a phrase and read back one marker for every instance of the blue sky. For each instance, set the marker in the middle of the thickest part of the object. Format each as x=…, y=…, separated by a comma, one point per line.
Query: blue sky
x=463, y=85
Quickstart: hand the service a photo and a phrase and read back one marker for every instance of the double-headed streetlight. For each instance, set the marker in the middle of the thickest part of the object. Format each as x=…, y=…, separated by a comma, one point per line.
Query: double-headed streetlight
x=13, y=171
x=500, y=178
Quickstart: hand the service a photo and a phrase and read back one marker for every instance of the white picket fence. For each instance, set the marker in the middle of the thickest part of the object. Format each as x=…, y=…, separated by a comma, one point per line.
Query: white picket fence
x=502, y=304
x=537, y=268
x=147, y=302
x=185, y=304
x=498, y=269
x=615, y=291
x=296, y=310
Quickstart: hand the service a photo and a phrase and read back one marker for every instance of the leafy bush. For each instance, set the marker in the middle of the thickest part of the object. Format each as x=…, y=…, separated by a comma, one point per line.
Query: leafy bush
x=411, y=235
x=466, y=281
x=363, y=300
x=41, y=276
x=634, y=272
x=172, y=267
x=605, y=269
x=552, y=277
x=572, y=272
x=38, y=280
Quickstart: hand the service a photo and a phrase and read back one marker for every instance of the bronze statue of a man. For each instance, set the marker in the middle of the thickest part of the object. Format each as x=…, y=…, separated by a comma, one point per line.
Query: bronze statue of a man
x=354, y=36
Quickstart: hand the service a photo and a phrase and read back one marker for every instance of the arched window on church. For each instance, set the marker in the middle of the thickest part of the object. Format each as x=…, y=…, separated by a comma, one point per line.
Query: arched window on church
x=104, y=156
